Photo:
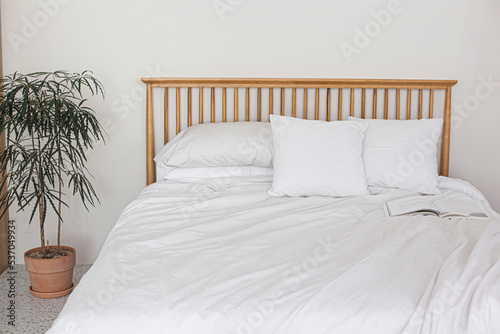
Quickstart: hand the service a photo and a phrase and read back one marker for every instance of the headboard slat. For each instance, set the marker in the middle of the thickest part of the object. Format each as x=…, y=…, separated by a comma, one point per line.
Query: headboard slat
x=304, y=113
x=165, y=115
x=177, y=110
x=363, y=102
x=247, y=104
x=408, y=104
x=190, y=108
x=271, y=101
x=212, y=106
x=339, y=110
x=329, y=104
x=316, y=105
x=351, y=113
x=398, y=103
x=236, y=104
x=255, y=107
x=282, y=110
x=259, y=104
x=431, y=104
x=420, y=104
x=224, y=108
x=386, y=103
x=200, y=101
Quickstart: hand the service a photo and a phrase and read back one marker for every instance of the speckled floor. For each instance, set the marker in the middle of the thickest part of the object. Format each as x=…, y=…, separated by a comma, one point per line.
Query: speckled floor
x=32, y=315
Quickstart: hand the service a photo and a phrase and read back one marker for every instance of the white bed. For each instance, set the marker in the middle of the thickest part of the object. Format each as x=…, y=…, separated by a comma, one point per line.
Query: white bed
x=222, y=256
x=228, y=253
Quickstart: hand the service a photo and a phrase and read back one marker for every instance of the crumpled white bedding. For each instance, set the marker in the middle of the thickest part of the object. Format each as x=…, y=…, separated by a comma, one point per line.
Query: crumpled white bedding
x=221, y=256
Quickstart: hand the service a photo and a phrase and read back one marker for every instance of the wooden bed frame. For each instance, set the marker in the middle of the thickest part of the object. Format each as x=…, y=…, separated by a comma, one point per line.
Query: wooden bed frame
x=390, y=99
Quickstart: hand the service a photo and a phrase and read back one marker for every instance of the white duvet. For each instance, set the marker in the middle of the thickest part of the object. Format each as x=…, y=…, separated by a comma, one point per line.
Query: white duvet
x=221, y=256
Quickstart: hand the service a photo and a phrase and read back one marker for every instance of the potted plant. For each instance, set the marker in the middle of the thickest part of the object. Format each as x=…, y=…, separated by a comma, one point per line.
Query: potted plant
x=48, y=129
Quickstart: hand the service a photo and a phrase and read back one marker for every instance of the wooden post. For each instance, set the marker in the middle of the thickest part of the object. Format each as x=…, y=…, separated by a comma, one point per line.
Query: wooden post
x=150, y=143
x=445, y=147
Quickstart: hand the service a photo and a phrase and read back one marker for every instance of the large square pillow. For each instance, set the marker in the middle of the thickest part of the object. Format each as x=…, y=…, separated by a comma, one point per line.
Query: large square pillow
x=402, y=153
x=316, y=158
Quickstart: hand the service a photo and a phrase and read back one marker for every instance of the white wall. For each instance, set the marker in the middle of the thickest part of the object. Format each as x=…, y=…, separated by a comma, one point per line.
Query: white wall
x=122, y=41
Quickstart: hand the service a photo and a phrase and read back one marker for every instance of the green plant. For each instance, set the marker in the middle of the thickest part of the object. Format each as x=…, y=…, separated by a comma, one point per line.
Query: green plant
x=48, y=130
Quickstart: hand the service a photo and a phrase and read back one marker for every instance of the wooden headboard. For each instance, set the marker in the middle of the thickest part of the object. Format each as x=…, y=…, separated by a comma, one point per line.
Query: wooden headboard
x=222, y=100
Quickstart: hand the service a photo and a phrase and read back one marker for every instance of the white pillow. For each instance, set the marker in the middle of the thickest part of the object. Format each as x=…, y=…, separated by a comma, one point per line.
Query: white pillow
x=198, y=173
x=402, y=153
x=167, y=150
x=316, y=158
x=164, y=154
x=223, y=144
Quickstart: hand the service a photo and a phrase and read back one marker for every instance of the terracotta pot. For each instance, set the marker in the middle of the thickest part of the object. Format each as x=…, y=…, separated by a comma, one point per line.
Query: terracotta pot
x=51, y=278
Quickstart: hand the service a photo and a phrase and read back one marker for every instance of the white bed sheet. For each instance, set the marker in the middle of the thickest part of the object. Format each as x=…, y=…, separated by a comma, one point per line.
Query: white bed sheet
x=221, y=256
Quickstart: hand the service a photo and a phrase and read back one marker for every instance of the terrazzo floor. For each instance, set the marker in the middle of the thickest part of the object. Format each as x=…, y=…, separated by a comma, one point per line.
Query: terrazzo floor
x=32, y=315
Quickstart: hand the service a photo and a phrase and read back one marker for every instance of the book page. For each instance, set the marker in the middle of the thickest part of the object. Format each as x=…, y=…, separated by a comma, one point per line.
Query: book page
x=412, y=204
x=466, y=207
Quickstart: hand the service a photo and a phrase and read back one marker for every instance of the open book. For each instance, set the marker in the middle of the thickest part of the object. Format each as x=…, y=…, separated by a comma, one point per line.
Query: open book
x=444, y=207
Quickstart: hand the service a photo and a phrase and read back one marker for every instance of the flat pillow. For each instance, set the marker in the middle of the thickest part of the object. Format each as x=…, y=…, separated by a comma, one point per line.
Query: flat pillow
x=193, y=174
x=402, y=153
x=223, y=144
x=316, y=158
x=164, y=154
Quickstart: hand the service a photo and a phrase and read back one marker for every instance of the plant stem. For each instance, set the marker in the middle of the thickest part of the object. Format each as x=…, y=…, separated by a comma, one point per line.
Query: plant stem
x=40, y=194
x=42, y=228
x=60, y=202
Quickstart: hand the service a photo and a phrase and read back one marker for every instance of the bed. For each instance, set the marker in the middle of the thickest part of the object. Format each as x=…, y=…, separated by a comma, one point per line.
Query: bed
x=220, y=242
